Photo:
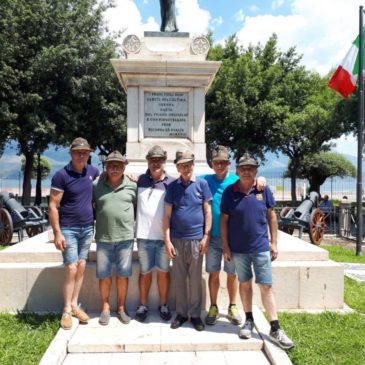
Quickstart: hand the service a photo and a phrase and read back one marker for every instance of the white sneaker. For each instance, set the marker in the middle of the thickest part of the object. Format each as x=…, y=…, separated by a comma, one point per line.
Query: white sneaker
x=280, y=338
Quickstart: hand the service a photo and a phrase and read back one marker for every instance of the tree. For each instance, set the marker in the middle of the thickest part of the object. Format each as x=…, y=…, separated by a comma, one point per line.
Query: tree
x=320, y=166
x=40, y=171
x=56, y=81
x=44, y=166
x=263, y=99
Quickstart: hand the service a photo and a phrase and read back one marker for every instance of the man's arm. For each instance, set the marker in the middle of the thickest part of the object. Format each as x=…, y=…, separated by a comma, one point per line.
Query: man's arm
x=204, y=243
x=273, y=228
x=54, y=203
x=224, y=237
x=170, y=249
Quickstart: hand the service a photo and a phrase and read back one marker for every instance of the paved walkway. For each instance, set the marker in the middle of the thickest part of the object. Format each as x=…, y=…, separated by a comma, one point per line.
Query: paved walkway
x=355, y=271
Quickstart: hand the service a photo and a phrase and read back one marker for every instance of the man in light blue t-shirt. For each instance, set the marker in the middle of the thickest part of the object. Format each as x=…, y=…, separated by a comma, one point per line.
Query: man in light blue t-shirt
x=217, y=183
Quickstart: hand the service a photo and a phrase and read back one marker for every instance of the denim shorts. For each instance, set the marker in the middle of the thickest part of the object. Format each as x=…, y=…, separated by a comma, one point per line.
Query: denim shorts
x=78, y=240
x=213, y=258
x=152, y=253
x=118, y=252
x=261, y=263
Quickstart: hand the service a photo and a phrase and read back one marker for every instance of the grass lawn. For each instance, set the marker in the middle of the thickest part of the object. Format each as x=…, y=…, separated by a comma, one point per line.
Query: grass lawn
x=341, y=254
x=325, y=339
x=24, y=338
x=331, y=338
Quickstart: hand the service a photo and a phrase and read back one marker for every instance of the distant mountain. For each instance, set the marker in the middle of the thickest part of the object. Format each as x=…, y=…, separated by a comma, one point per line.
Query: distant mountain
x=10, y=162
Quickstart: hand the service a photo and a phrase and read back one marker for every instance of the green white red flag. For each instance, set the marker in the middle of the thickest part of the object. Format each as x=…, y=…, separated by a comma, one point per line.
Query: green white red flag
x=345, y=77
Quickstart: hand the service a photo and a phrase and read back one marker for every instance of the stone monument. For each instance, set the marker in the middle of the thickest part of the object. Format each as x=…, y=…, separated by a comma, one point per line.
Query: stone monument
x=166, y=77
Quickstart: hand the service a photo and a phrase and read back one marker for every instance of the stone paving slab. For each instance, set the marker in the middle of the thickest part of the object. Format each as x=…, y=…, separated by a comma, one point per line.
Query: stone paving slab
x=168, y=358
x=355, y=271
x=156, y=336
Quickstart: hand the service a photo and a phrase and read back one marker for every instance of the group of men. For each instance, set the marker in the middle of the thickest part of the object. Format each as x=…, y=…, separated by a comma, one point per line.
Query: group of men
x=217, y=215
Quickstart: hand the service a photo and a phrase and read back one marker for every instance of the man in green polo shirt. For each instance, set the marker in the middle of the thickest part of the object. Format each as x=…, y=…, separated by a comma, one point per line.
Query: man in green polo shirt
x=114, y=197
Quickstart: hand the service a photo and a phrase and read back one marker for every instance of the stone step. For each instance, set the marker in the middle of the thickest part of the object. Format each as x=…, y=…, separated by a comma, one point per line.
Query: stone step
x=154, y=342
x=167, y=358
x=155, y=335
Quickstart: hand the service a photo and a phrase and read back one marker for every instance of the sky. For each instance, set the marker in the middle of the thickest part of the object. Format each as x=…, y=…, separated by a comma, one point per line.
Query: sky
x=321, y=30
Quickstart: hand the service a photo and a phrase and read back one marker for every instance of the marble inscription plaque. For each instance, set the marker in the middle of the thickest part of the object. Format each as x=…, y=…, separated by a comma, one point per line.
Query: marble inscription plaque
x=166, y=114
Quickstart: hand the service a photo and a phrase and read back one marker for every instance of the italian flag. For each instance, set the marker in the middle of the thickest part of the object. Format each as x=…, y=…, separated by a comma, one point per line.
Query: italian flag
x=344, y=78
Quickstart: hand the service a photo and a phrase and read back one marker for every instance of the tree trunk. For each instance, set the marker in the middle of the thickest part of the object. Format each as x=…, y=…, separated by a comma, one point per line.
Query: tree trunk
x=38, y=189
x=293, y=189
x=27, y=184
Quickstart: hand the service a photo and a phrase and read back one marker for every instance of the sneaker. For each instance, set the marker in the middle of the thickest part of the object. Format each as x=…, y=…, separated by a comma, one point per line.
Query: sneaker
x=123, y=316
x=141, y=313
x=246, y=331
x=233, y=315
x=80, y=314
x=212, y=316
x=66, y=320
x=281, y=339
x=165, y=313
x=104, y=318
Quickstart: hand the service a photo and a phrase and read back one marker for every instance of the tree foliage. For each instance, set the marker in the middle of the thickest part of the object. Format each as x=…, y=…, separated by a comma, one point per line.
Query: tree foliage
x=263, y=100
x=45, y=167
x=320, y=166
x=56, y=81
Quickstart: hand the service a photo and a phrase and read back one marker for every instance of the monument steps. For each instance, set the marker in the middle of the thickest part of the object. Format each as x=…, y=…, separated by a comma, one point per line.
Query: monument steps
x=154, y=342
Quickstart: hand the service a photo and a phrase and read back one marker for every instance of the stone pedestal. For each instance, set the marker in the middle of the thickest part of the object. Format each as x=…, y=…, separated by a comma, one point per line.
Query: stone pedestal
x=166, y=77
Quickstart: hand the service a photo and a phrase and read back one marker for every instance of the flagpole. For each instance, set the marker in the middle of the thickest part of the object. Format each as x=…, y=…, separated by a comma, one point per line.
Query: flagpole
x=360, y=137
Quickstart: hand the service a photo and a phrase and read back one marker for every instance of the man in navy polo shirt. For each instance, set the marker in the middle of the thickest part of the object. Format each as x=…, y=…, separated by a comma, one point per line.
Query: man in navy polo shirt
x=71, y=218
x=246, y=215
x=187, y=224
x=151, y=189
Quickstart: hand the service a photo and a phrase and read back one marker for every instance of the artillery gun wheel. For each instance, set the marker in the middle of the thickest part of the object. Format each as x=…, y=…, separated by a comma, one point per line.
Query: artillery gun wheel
x=6, y=227
x=316, y=226
x=33, y=231
x=283, y=213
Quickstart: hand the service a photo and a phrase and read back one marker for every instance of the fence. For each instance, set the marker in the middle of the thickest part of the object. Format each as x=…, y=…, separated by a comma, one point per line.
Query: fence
x=334, y=187
x=15, y=185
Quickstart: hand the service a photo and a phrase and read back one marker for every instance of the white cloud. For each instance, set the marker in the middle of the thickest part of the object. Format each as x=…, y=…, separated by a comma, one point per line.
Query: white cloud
x=125, y=15
x=239, y=16
x=277, y=3
x=254, y=8
x=321, y=30
x=191, y=18
x=217, y=21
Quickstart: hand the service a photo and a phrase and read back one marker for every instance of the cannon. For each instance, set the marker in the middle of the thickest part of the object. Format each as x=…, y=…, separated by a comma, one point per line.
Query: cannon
x=14, y=217
x=306, y=217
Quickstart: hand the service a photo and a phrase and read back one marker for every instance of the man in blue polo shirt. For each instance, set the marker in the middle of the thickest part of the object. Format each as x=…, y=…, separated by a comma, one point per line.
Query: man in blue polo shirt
x=71, y=218
x=187, y=224
x=151, y=189
x=246, y=215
